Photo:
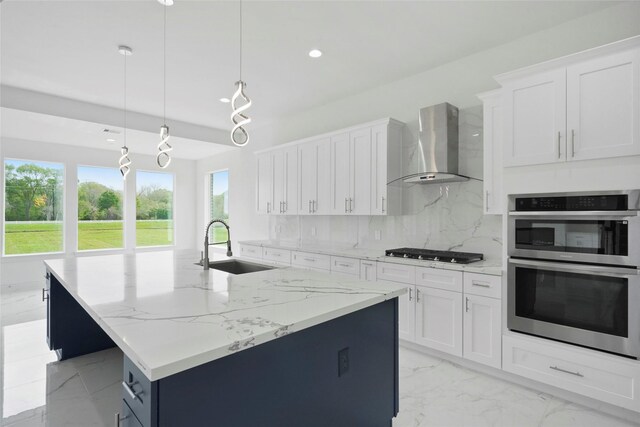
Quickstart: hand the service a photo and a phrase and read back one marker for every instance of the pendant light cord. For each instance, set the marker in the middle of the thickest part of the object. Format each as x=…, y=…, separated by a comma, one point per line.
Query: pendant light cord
x=125, y=100
x=240, y=40
x=164, y=68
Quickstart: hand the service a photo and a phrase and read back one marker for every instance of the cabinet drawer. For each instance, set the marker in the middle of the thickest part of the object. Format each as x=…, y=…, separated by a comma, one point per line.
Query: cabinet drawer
x=483, y=285
x=250, y=251
x=599, y=376
x=396, y=273
x=128, y=418
x=447, y=280
x=134, y=383
x=280, y=256
x=306, y=259
x=345, y=265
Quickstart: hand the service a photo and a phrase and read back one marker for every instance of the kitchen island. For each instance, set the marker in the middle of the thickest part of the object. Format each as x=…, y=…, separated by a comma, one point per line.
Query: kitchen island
x=280, y=347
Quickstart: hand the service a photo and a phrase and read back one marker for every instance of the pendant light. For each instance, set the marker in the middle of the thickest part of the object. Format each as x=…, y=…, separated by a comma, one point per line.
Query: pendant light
x=239, y=135
x=163, y=158
x=125, y=161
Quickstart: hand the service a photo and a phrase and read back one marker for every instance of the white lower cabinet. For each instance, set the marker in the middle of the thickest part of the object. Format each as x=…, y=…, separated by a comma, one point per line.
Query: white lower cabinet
x=277, y=256
x=345, y=265
x=251, y=251
x=482, y=330
x=368, y=271
x=594, y=374
x=407, y=315
x=310, y=260
x=439, y=319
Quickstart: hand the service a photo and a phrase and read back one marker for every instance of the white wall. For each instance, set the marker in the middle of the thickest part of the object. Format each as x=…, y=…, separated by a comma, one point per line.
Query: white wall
x=456, y=82
x=27, y=268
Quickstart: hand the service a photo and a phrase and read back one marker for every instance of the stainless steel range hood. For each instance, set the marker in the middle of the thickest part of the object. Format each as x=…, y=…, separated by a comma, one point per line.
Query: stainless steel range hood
x=434, y=158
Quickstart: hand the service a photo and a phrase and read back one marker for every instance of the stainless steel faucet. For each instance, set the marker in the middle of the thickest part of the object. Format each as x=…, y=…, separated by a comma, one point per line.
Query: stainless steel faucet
x=205, y=260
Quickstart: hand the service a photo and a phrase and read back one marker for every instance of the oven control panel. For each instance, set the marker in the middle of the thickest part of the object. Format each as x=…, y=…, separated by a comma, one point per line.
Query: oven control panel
x=610, y=202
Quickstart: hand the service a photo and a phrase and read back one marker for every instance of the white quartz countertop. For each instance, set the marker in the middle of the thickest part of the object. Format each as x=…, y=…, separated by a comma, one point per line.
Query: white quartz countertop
x=492, y=266
x=168, y=315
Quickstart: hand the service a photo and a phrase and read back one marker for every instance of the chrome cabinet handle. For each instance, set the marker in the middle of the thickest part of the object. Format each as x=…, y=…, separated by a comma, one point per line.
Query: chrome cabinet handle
x=310, y=260
x=482, y=285
x=410, y=294
x=417, y=295
x=368, y=264
x=486, y=198
x=268, y=207
x=128, y=387
x=344, y=265
x=345, y=204
x=350, y=205
x=559, y=153
x=577, y=374
x=118, y=419
x=44, y=296
x=573, y=141
x=309, y=206
x=466, y=304
x=382, y=206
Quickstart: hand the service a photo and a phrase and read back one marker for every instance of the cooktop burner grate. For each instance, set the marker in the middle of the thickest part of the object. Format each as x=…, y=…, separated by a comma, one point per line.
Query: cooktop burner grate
x=432, y=255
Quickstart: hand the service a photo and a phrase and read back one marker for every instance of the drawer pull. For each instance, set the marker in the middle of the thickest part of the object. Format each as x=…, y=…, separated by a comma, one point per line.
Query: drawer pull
x=577, y=374
x=417, y=295
x=44, y=294
x=118, y=419
x=466, y=304
x=368, y=264
x=129, y=389
x=410, y=294
x=310, y=260
x=482, y=285
x=344, y=265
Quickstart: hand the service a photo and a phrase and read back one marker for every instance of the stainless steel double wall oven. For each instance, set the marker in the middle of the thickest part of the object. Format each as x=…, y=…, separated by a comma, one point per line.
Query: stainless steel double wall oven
x=573, y=268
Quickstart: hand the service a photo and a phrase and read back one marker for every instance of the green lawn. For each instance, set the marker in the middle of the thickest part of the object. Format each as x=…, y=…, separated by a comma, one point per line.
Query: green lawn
x=47, y=237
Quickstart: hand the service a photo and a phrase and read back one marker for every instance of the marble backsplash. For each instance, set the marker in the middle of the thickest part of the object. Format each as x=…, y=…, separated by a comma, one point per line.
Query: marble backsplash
x=447, y=216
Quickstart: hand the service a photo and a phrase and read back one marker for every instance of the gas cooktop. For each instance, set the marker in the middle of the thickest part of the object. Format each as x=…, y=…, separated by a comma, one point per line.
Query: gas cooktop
x=430, y=255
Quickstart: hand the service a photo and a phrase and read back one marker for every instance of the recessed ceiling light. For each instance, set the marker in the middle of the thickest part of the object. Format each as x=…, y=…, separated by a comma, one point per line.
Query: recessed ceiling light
x=476, y=134
x=125, y=50
x=111, y=140
x=166, y=2
x=225, y=100
x=315, y=53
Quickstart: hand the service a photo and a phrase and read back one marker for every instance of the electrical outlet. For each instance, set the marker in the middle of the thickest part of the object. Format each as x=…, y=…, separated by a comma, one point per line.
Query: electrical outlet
x=377, y=235
x=343, y=361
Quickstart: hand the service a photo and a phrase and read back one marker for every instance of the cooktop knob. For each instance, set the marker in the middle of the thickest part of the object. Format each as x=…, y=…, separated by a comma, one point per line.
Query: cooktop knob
x=391, y=254
x=436, y=258
x=406, y=256
x=420, y=257
x=453, y=260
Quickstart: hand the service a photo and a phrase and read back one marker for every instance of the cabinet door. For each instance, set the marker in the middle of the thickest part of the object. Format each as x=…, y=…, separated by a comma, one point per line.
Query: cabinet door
x=264, y=176
x=482, y=330
x=535, y=119
x=278, y=182
x=379, y=201
x=323, y=195
x=439, y=319
x=307, y=171
x=603, y=107
x=368, y=271
x=407, y=315
x=340, y=173
x=360, y=172
x=290, y=205
x=492, y=144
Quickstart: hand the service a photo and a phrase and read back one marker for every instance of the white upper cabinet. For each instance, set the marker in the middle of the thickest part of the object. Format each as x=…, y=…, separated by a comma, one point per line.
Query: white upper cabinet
x=492, y=146
x=264, y=176
x=535, y=117
x=342, y=173
x=603, y=108
x=586, y=107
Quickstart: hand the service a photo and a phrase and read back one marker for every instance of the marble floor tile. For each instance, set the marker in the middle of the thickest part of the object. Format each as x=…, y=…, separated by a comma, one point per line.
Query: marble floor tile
x=37, y=390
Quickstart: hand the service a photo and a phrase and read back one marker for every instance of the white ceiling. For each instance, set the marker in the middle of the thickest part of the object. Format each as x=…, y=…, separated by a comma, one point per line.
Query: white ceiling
x=69, y=49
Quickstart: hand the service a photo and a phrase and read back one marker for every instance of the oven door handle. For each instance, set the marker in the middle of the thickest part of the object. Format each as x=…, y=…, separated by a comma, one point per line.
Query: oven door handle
x=596, y=214
x=578, y=268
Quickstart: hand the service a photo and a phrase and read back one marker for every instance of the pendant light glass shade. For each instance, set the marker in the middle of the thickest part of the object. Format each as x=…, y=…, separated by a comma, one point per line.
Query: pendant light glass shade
x=239, y=135
x=163, y=158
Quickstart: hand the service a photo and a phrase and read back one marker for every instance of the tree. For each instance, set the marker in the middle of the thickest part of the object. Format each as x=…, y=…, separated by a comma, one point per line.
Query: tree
x=30, y=182
x=108, y=199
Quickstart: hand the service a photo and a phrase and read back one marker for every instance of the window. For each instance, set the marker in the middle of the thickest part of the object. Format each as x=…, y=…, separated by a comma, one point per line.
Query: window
x=154, y=208
x=219, y=209
x=34, y=206
x=100, y=207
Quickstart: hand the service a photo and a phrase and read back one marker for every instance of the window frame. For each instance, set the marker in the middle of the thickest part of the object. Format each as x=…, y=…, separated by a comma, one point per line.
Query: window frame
x=173, y=211
x=4, y=206
x=124, y=216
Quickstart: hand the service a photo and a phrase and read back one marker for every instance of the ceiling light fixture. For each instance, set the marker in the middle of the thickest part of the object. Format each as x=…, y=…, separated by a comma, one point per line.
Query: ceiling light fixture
x=166, y=2
x=225, y=100
x=239, y=135
x=125, y=161
x=315, y=53
x=163, y=158
x=111, y=140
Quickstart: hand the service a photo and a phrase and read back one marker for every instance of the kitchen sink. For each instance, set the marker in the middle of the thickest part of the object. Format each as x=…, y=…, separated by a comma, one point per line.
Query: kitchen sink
x=235, y=266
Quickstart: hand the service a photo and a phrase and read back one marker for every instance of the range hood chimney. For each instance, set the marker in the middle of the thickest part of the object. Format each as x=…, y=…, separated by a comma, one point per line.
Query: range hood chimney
x=435, y=156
